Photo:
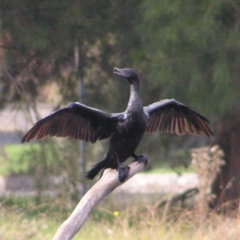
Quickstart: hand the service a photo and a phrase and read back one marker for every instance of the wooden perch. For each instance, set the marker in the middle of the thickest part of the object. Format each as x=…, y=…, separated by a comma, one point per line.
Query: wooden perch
x=107, y=183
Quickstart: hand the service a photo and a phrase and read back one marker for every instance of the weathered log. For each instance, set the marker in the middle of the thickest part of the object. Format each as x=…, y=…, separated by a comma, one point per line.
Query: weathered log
x=107, y=183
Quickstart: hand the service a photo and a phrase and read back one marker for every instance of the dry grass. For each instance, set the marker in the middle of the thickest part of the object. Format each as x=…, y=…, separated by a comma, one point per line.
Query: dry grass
x=129, y=218
x=134, y=222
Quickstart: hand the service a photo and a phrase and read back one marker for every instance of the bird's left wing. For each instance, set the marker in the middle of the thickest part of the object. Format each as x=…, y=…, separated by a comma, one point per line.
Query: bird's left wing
x=174, y=117
x=76, y=121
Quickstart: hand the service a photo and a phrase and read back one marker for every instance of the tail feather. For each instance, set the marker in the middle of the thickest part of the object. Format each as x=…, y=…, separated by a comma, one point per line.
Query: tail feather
x=95, y=170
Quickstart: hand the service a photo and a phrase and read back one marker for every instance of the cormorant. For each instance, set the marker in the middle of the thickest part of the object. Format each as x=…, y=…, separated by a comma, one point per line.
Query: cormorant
x=125, y=129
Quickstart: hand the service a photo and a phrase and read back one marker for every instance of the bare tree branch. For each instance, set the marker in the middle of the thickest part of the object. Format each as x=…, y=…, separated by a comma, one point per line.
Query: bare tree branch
x=108, y=182
x=189, y=193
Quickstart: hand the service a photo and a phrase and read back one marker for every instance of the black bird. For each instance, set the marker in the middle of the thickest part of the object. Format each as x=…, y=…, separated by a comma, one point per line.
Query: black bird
x=125, y=129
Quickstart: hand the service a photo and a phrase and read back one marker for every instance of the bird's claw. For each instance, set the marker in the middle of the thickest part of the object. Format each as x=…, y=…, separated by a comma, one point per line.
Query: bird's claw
x=142, y=159
x=123, y=173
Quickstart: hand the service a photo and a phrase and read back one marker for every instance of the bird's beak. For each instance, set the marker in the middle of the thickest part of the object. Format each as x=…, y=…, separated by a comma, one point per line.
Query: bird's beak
x=117, y=71
x=120, y=72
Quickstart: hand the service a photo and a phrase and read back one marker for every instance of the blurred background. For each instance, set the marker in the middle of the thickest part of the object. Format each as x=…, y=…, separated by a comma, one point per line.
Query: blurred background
x=55, y=52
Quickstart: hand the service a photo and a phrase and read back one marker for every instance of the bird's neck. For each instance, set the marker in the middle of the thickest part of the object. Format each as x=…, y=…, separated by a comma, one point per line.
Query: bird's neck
x=134, y=99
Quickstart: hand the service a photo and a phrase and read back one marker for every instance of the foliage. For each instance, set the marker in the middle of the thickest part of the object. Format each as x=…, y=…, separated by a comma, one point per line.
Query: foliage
x=187, y=50
x=193, y=51
x=12, y=160
x=22, y=159
x=43, y=161
x=41, y=38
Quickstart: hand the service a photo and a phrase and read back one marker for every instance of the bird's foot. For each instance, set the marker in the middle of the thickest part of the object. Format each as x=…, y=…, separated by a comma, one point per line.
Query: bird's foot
x=141, y=159
x=122, y=172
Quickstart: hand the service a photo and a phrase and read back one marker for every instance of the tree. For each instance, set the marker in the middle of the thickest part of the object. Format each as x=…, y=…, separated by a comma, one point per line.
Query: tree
x=39, y=41
x=192, y=53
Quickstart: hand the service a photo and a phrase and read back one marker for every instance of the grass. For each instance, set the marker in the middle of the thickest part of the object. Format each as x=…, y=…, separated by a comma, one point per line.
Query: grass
x=14, y=158
x=17, y=158
x=22, y=158
x=127, y=217
x=167, y=170
x=21, y=219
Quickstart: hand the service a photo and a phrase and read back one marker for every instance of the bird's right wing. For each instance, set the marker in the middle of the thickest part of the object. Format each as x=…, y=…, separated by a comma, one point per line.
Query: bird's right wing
x=174, y=117
x=76, y=121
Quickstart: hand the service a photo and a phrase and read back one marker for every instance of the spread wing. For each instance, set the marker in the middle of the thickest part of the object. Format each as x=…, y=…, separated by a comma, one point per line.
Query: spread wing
x=174, y=117
x=76, y=121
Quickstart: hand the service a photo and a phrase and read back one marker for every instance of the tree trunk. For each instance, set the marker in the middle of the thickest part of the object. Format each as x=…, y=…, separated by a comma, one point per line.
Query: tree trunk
x=227, y=184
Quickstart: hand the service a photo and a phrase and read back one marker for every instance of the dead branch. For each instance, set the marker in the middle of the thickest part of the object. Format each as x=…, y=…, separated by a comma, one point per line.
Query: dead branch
x=180, y=197
x=108, y=182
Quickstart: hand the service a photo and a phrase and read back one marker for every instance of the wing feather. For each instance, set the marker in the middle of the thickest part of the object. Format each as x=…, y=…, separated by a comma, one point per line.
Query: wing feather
x=76, y=121
x=174, y=117
x=178, y=129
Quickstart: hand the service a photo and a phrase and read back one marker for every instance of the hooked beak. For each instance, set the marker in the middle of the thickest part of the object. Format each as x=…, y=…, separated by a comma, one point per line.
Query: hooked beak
x=120, y=72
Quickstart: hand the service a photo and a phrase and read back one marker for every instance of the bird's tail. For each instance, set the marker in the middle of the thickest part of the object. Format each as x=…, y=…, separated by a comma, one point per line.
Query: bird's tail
x=96, y=168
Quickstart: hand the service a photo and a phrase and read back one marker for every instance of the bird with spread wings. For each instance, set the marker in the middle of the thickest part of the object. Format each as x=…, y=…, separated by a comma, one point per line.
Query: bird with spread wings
x=125, y=129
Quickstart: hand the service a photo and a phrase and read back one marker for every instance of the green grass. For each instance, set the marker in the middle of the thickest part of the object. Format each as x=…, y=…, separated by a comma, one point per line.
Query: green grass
x=22, y=219
x=167, y=170
x=21, y=158
x=15, y=158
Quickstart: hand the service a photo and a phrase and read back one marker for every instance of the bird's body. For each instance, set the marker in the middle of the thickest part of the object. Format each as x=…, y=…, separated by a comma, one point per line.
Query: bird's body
x=125, y=129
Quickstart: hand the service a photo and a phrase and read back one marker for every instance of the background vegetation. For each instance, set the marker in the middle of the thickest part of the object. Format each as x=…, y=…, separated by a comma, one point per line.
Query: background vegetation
x=186, y=50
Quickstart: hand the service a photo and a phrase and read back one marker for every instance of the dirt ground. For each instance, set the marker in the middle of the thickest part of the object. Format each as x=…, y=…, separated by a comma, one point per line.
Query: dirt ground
x=140, y=183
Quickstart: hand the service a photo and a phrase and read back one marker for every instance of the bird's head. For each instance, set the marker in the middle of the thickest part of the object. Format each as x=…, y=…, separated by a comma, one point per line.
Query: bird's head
x=127, y=73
